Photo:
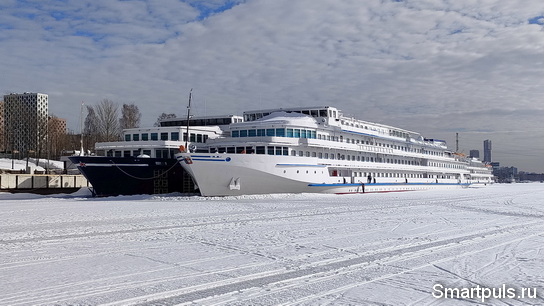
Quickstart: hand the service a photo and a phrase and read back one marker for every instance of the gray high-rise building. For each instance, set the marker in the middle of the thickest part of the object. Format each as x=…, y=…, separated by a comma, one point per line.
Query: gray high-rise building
x=25, y=119
x=2, y=125
x=487, y=151
x=475, y=153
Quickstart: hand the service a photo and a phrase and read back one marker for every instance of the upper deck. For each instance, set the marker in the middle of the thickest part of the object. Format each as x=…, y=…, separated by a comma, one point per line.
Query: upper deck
x=330, y=118
x=202, y=121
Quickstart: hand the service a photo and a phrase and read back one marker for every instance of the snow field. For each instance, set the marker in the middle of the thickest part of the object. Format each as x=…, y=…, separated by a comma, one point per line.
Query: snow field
x=279, y=249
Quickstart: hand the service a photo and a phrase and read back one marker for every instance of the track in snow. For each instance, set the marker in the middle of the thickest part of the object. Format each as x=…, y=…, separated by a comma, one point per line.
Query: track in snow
x=290, y=249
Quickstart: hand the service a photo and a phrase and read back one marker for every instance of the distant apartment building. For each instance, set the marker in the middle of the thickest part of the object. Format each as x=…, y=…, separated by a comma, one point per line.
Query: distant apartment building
x=2, y=142
x=487, y=151
x=506, y=174
x=495, y=165
x=475, y=153
x=26, y=124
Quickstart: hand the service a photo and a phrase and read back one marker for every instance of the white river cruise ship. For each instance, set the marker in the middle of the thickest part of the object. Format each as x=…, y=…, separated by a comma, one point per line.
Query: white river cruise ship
x=319, y=150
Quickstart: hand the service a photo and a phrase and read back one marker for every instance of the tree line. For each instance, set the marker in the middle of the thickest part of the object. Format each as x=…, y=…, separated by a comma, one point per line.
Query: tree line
x=105, y=121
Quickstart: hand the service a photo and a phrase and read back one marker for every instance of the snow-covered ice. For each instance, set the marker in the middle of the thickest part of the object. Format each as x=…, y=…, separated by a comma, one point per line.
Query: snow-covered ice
x=309, y=249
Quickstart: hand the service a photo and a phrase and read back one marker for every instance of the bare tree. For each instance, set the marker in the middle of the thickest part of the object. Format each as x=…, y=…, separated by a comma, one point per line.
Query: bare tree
x=72, y=141
x=130, y=116
x=91, y=133
x=56, y=136
x=108, y=122
x=164, y=116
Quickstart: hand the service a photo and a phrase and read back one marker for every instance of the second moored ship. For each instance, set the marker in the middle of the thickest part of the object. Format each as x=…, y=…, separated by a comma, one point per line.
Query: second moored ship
x=144, y=162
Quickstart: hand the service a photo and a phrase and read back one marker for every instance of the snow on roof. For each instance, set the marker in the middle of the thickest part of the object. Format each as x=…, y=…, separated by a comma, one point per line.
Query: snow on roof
x=16, y=164
x=289, y=118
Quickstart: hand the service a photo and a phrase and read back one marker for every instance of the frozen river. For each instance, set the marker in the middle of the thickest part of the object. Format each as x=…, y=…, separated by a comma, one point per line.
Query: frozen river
x=410, y=248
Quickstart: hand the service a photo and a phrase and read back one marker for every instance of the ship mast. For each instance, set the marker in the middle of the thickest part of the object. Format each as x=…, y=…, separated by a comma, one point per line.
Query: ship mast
x=188, y=117
x=81, y=130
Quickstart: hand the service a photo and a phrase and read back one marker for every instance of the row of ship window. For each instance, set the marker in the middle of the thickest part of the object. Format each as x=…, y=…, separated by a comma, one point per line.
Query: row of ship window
x=379, y=144
x=277, y=150
x=445, y=165
x=173, y=136
x=302, y=133
x=159, y=153
x=295, y=133
x=169, y=153
x=282, y=132
x=375, y=175
x=401, y=175
x=375, y=129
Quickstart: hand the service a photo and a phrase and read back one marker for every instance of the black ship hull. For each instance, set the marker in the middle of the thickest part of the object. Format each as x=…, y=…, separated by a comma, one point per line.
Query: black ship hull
x=112, y=176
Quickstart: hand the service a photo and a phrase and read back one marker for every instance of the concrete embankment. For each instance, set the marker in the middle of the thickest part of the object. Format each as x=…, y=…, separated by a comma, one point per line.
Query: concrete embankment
x=42, y=183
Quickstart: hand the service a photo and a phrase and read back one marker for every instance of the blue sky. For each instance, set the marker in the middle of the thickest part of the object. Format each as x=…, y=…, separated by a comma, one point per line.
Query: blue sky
x=436, y=67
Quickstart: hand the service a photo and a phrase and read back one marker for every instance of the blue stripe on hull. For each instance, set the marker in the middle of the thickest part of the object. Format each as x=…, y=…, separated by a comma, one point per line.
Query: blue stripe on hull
x=385, y=184
x=301, y=165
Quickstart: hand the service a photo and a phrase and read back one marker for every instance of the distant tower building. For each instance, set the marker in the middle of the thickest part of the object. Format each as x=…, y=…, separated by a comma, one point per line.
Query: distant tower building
x=475, y=153
x=26, y=120
x=487, y=151
x=2, y=141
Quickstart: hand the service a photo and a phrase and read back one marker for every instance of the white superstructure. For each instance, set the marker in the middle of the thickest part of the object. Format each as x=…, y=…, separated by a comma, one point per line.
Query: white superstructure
x=317, y=149
x=164, y=141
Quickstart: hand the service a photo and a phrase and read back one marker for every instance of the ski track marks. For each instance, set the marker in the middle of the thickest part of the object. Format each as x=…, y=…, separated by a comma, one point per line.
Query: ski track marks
x=284, y=249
